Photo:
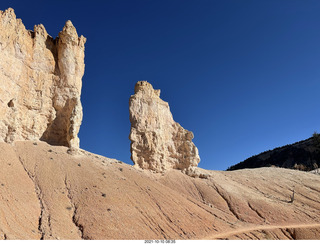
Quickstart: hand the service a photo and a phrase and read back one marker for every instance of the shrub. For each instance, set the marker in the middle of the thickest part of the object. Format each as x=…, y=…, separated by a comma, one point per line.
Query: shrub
x=299, y=167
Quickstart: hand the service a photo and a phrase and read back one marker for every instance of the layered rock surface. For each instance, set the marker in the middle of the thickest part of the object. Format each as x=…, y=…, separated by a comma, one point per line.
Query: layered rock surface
x=40, y=82
x=46, y=193
x=158, y=142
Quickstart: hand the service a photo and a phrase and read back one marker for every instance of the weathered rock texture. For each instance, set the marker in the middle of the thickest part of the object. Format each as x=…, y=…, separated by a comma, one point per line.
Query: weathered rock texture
x=93, y=197
x=158, y=142
x=40, y=81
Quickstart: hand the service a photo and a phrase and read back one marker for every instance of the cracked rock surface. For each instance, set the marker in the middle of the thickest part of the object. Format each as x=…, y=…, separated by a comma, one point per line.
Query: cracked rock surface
x=52, y=192
x=40, y=82
x=158, y=143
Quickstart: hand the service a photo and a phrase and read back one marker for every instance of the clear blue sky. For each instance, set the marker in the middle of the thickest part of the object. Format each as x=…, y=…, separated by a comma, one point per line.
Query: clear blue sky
x=243, y=75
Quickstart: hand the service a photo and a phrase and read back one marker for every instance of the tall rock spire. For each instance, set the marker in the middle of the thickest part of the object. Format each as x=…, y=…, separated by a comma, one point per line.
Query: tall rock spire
x=158, y=142
x=40, y=82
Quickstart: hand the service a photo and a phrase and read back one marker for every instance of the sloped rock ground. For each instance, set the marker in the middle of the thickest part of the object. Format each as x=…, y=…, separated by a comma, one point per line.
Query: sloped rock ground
x=52, y=192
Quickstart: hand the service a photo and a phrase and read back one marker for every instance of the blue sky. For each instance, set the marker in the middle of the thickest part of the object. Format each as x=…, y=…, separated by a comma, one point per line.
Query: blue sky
x=242, y=75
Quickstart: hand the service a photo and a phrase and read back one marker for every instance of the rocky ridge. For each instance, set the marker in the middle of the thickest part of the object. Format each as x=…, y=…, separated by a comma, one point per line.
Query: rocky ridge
x=40, y=82
x=303, y=155
x=159, y=143
x=47, y=193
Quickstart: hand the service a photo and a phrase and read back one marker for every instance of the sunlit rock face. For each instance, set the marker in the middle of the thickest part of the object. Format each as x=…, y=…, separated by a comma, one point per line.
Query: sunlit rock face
x=158, y=143
x=40, y=82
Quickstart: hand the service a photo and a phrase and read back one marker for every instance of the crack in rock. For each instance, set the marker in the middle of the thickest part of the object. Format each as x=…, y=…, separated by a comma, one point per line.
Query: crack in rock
x=225, y=197
x=41, y=203
x=292, y=233
x=256, y=211
x=75, y=220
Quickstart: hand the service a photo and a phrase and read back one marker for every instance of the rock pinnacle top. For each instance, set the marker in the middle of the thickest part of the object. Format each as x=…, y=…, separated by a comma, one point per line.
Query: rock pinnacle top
x=158, y=143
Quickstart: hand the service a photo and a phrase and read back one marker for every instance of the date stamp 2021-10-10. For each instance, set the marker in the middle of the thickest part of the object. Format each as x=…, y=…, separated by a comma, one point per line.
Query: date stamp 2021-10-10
x=160, y=241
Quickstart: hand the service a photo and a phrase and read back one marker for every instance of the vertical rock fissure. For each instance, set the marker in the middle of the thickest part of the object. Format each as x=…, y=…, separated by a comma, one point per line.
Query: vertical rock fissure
x=41, y=203
x=257, y=212
x=228, y=202
x=40, y=223
x=75, y=221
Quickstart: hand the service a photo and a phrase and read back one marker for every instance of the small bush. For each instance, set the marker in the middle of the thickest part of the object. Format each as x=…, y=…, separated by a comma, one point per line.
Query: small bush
x=299, y=167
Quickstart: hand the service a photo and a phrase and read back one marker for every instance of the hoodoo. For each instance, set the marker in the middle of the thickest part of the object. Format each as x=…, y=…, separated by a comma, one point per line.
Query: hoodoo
x=40, y=82
x=158, y=142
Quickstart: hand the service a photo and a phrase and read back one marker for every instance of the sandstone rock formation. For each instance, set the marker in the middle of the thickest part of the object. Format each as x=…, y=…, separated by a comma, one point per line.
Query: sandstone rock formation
x=158, y=142
x=41, y=83
x=93, y=197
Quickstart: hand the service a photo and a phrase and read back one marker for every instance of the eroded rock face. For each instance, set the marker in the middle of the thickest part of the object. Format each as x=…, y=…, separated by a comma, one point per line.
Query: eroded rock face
x=40, y=82
x=158, y=142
